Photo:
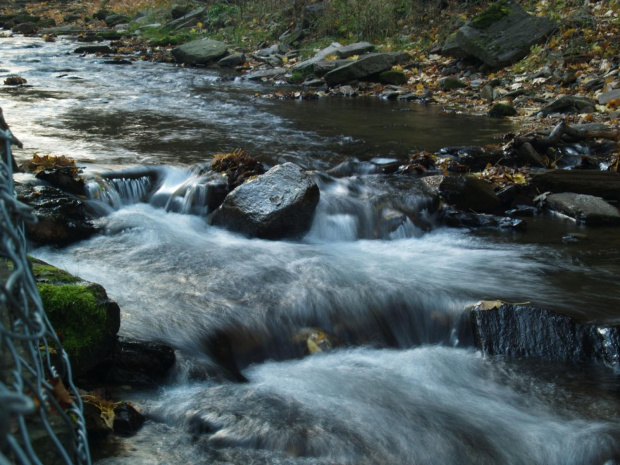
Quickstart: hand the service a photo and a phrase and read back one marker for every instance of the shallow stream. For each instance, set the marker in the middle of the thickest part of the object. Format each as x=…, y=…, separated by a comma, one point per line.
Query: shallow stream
x=402, y=388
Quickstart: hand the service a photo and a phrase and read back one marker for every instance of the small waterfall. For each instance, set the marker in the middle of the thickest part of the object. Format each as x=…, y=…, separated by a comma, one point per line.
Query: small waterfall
x=118, y=192
x=369, y=208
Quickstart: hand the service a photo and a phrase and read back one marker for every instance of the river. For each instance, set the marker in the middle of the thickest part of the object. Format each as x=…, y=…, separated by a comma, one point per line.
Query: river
x=402, y=388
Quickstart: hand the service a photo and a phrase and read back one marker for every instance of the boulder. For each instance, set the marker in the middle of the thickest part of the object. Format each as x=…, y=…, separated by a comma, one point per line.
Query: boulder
x=501, y=109
x=525, y=332
x=278, y=204
x=200, y=52
x=607, y=97
x=359, y=48
x=65, y=179
x=306, y=66
x=85, y=320
x=450, y=83
x=25, y=28
x=605, y=184
x=190, y=19
x=127, y=420
x=93, y=49
x=135, y=363
x=503, y=34
x=451, y=48
x=62, y=218
x=236, y=59
x=322, y=67
x=368, y=66
x=115, y=19
x=569, y=104
x=475, y=157
x=465, y=192
x=394, y=77
x=265, y=74
x=585, y=209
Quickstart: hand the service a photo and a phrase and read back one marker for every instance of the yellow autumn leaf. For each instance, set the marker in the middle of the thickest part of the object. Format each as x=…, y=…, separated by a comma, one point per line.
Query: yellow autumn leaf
x=354, y=57
x=192, y=30
x=518, y=178
x=284, y=59
x=491, y=76
x=330, y=57
x=420, y=86
x=397, y=68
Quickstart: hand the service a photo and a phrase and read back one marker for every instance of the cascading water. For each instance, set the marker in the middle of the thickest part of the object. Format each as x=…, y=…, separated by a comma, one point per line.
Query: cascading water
x=375, y=273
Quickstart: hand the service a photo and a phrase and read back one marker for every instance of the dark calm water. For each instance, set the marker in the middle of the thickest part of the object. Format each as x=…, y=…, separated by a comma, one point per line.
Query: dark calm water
x=404, y=390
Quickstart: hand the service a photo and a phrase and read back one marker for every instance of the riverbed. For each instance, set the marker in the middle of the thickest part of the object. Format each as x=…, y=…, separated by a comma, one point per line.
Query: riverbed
x=401, y=386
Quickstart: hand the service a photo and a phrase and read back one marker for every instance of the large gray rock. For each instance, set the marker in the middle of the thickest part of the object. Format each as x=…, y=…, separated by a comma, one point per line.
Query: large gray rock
x=605, y=184
x=503, y=34
x=306, y=66
x=451, y=48
x=230, y=61
x=586, y=209
x=278, y=204
x=607, y=97
x=358, y=48
x=569, y=104
x=265, y=74
x=367, y=66
x=200, y=52
x=465, y=192
x=323, y=67
x=190, y=19
x=522, y=332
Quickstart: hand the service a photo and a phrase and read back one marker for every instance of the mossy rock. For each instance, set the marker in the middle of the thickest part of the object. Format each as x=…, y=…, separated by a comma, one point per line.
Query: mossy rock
x=450, y=83
x=85, y=320
x=394, y=77
x=492, y=14
x=499, y=110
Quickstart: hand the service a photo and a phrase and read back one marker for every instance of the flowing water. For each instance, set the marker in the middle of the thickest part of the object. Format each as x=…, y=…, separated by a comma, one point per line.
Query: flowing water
x=401, y=385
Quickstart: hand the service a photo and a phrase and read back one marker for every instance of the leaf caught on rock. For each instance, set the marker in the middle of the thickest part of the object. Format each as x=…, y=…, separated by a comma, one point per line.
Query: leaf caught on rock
x=60, y=392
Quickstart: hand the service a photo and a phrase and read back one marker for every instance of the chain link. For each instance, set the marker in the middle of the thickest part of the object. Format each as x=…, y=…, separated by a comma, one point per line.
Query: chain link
x=31, y=356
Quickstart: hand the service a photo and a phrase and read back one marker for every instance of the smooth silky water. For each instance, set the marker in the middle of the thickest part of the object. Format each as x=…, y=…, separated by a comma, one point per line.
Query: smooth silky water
x=402, y=386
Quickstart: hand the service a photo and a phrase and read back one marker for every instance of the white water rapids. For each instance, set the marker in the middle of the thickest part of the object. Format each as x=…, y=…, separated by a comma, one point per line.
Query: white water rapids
x=403, y=386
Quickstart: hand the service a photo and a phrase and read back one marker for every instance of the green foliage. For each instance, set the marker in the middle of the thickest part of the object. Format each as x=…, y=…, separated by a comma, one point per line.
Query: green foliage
x=221, y=14
x=75, y=313
x=162, y=37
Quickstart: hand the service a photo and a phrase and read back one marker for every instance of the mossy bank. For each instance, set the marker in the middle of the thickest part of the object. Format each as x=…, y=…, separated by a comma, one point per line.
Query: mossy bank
x=85, y=320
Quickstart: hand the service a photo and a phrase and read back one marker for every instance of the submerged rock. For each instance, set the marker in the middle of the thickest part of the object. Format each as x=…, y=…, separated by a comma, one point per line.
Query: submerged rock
x=585, y=209
x=503, y=34
x=522, y=331
x=278, y=204
x=135, y=363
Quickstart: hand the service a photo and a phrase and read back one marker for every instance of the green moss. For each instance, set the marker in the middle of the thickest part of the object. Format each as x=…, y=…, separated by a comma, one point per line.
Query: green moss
x=495, y=12
x=500, y=110
x=393, y=77
x=75, y=314
x=48, y=273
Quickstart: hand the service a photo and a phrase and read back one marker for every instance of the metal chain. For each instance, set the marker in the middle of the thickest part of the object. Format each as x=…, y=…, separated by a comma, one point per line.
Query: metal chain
x=34, y=427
